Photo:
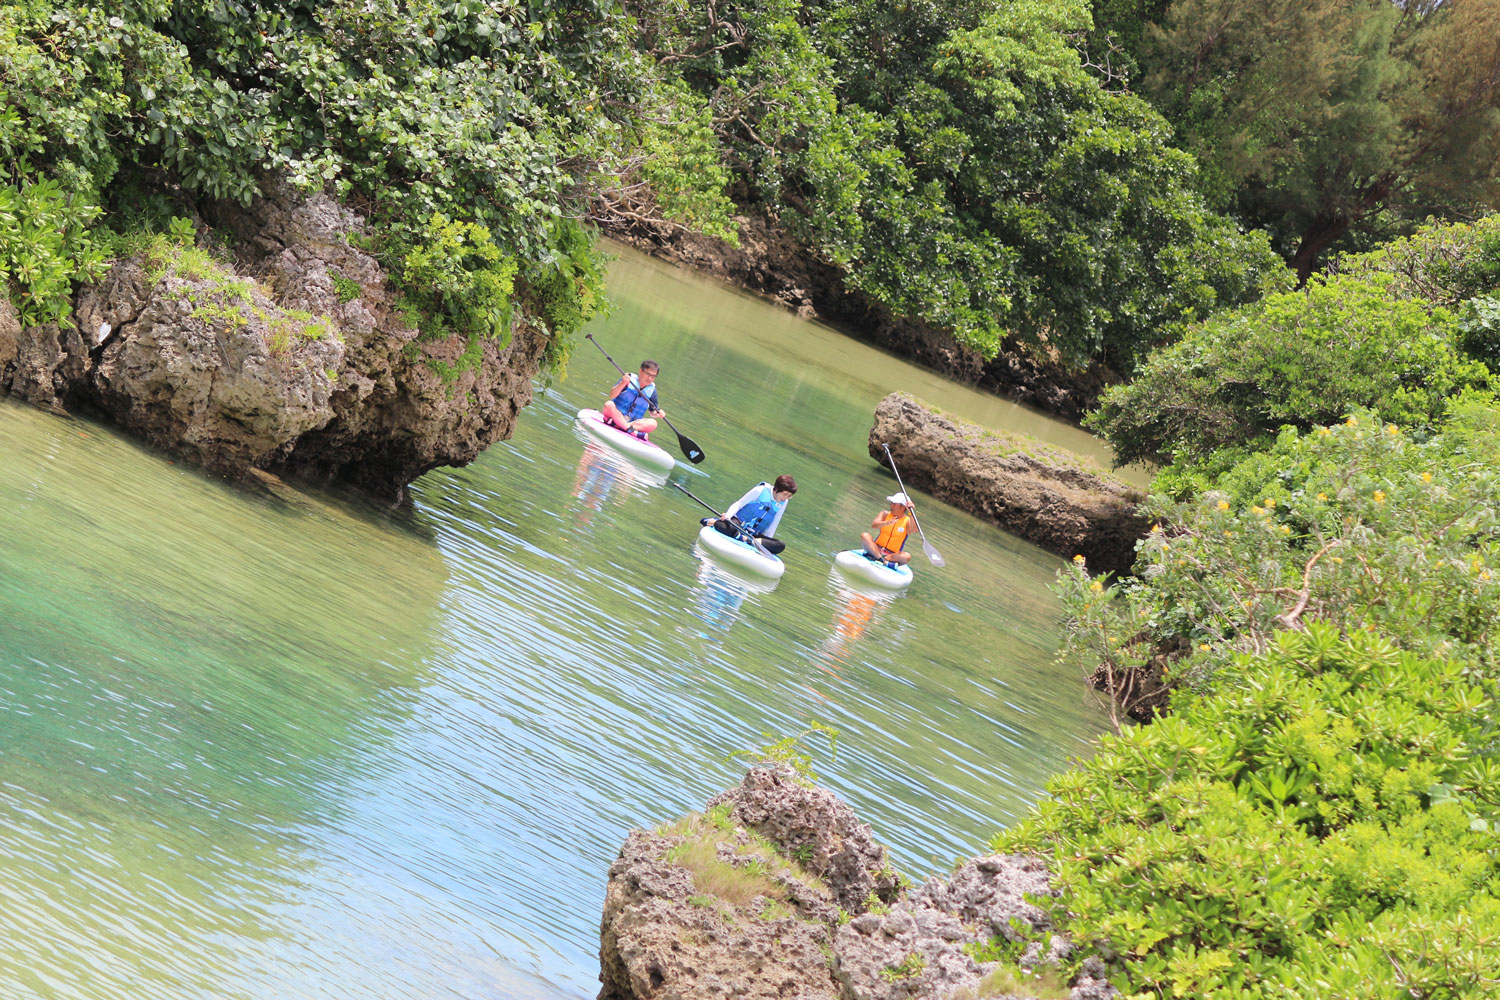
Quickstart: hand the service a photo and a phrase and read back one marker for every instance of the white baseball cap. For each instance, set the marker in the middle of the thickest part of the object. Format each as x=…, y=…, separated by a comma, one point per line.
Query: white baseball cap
x=900, y=498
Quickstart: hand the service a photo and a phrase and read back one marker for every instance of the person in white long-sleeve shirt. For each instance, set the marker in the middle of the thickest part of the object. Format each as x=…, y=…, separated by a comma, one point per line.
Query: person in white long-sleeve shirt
x=755, y=516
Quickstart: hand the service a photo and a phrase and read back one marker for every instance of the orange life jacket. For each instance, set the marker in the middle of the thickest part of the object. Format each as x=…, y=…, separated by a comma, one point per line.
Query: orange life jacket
x=892, y=537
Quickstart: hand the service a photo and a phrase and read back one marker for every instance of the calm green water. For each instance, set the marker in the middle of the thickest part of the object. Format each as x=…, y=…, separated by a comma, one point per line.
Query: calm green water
x=270, y=744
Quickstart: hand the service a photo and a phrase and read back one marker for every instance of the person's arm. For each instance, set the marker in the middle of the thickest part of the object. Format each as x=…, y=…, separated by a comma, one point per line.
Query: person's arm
x=619, y=386
x=882, y=519
x=771, y=531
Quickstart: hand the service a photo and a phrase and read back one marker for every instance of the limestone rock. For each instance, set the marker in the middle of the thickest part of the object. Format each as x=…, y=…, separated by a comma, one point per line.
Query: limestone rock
x=261, y=365
x=1043, y=495
x=708, y=909
x=817, y=827
x=748, y=899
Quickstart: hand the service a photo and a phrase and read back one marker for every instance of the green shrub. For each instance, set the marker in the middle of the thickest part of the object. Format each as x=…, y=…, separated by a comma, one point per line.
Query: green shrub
x=45, y=246
x=1324, y=825
x=1294, y=359
x=1357, y=525
x=1443, y=264
x=456, y=276
x=1479, y=329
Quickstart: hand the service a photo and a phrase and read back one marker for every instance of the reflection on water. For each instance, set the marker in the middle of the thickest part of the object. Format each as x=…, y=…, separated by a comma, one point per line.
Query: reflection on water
x=720, y=593
x=268, y=744
x=606, y=476
x=855, y=610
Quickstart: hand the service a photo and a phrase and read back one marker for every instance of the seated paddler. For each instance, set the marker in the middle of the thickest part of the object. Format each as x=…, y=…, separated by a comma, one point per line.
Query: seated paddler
x=755, y=516
x=891, y=528
x=633, y=403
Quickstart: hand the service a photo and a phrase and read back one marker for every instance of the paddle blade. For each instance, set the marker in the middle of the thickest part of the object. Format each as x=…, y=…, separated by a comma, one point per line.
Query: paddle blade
x=933, y=555
x=690, y=449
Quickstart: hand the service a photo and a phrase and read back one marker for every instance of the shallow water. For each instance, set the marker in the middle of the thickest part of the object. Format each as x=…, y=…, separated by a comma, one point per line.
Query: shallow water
x=266, y=743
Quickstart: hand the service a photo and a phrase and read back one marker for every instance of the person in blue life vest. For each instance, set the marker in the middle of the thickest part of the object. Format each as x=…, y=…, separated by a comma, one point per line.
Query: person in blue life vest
x=892, y=528
x=633, y=402
x=755, y=515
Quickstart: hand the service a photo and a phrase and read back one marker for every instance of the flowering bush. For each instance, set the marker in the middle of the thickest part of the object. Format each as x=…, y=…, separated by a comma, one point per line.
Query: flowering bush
x=1357, y=524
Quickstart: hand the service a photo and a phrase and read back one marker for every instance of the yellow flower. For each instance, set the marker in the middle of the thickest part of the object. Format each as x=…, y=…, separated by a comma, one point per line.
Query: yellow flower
x=1078, y=559
x=1351, y=422
x=1324, y=431
x=1228, y=534
x=1203, y=646
x=1223, y=504
x=1392, y=430
x=1286, y=530
x=1096, y=586
x=1380, y=496
x=1270, y=501
x=1485, y=575
x=1426, y=477
x=1257, y=509
x=1322, y=496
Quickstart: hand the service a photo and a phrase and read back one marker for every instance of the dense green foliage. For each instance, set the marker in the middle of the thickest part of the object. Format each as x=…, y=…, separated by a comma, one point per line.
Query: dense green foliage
x=1319, y=812
x=1400, y=330
x=1358, y=525
x=484, y=122
x=1323, y=826
x=1294, y=358
x=964, y=167
x=1320, y=118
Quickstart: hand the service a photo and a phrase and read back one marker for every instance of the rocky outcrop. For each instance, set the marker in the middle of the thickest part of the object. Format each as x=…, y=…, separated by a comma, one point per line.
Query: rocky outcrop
x=291, y=358
x=1053, y=499
x=769, y=263
x=759, y=896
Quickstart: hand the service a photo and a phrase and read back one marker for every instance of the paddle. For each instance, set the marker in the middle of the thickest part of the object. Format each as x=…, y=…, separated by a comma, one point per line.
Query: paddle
x=933, y=555
x=711, y=510
x=688, y=445
x=742, y=533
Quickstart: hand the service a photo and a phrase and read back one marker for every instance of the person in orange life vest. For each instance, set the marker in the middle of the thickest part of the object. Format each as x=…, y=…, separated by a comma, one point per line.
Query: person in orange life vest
x=633, y=402
x=894, y=525
x=755, y=515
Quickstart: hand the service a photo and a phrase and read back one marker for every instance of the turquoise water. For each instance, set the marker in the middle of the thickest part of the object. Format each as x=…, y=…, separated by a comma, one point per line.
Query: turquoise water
x=261, y=742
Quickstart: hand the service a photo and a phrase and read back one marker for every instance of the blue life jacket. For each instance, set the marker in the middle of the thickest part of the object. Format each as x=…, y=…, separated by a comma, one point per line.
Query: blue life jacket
x=758, y=514
x=633, y=402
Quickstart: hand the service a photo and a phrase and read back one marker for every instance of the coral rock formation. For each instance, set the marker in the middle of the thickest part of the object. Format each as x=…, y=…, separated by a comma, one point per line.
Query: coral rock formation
x=1050, y=498
x=264, y=365
x=777, y=890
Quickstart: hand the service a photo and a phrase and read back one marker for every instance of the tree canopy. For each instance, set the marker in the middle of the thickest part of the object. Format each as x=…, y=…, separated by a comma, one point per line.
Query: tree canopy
x=963, y=166
x=426, y=114
x=1322, y=120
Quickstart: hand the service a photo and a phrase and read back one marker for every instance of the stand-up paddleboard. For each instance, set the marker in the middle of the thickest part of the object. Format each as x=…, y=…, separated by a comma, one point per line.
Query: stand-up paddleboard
x=739, y=554
x=648, y=454
x=858, y=565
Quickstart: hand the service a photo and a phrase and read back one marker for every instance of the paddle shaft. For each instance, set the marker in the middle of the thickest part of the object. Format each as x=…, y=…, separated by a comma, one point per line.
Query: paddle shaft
x=932, y=554
x=700, y=502
x=688, y=445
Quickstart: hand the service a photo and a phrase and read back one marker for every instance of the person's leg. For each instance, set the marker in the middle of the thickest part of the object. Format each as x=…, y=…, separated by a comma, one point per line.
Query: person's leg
x=646, y=425
x=899, y=558
x=612, y=415
x=724, y=526
x=773, y=546
x=871, y=547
